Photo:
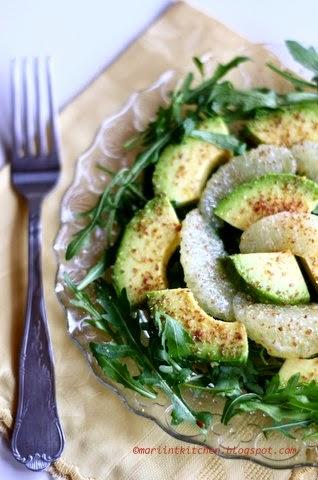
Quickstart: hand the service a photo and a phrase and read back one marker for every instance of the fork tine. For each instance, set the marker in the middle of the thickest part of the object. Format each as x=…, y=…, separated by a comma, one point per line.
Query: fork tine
x=39, y=123
x=14, y=107
x=25, y=105
x=52, y=109
x=34, y=118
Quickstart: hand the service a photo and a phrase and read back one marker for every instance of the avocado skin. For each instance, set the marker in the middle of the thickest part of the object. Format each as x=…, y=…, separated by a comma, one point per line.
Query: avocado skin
x=183, y=169
x=214, y=340
x=285, y=126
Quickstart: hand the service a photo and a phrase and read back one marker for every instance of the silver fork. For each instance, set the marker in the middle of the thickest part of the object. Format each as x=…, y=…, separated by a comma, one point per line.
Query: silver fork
x=37, y=438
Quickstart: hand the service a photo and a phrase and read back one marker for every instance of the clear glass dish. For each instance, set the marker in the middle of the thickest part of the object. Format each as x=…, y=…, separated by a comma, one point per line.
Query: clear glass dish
x=242, y=438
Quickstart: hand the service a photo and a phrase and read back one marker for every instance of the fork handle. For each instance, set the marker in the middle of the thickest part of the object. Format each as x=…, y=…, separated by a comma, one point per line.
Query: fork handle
x=37, y=437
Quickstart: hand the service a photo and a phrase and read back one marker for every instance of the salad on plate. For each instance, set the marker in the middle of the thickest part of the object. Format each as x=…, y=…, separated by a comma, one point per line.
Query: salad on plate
x=209, y=281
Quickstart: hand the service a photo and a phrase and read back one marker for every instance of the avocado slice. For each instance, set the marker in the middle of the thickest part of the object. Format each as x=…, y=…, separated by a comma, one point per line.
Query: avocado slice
x=147, y=244
x=214, y=340
x=253, y=164
x=307, y=368
x=201, y=255
x=286, y=126
x=267, y=195
x=182, y=170
x=271, y=277
x=284, y=231
x=285, y=331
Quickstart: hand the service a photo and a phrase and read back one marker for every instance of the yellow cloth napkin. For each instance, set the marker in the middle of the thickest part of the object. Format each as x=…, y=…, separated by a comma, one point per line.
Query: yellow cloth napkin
x=100, y=432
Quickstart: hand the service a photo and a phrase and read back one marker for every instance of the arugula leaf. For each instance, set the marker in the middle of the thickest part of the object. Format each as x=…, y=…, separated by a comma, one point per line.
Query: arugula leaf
x=174, y=336
x=273, y=385
x=199, y=64
x=149, y=377
x=82, y=300
x=119, y=372
x=308, y=57
x=293, y=79
x=232, y=406
x=181, y=413
x=77, y=242
x=290, y=405
x=311, y=434
x=93, y=274
x=222, y=70
x=113, y=196
x=222, y=390
x=274, y=411
x=224, y=95
x=179, y=97
x=204, y=420
x=117, y=312
x=132, y=188
x=284, y=427
x=232, y=381
x=98, y=270
x=114, y=350
x=227, y=142
x=199, y=93
x=224, y=386
x=81, y=236
x=299, y=97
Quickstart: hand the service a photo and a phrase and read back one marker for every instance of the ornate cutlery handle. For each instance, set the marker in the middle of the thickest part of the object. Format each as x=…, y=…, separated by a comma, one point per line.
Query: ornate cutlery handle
x=37, y=436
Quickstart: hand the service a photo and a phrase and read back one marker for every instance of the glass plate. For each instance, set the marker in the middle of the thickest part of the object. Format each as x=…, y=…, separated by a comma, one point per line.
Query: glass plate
x=243, y=437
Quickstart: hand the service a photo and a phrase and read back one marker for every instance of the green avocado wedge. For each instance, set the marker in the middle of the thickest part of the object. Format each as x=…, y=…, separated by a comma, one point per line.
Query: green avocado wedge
x=267, y=195
x=148, y=242
x=271, y=277
x=214, y=340
x=182, y=170
x=286, y=126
